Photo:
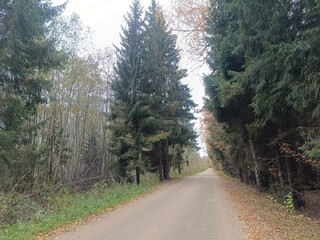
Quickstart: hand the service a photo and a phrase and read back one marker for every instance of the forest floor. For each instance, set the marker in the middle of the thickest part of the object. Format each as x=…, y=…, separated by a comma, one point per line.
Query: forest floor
x=267, y=219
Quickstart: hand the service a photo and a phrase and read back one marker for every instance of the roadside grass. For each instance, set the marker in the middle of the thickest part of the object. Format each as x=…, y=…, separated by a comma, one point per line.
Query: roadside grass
x=65, y=208
x=268, y=219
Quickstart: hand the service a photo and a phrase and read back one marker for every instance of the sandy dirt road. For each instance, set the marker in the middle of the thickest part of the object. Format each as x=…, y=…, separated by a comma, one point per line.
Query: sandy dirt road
x=194, y=208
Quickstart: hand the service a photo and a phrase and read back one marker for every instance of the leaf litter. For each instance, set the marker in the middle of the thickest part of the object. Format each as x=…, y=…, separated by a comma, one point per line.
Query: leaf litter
x=269, y=220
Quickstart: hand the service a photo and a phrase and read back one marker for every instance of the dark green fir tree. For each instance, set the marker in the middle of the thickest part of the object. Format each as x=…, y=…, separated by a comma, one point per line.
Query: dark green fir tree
x=26, y=55
x=127, y=107
x=169, y=100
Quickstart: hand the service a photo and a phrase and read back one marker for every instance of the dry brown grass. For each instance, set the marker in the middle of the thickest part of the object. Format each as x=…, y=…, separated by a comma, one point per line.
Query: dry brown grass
x=267, y=219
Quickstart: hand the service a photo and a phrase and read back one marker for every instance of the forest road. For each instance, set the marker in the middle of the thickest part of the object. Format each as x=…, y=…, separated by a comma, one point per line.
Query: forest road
x=193, y=208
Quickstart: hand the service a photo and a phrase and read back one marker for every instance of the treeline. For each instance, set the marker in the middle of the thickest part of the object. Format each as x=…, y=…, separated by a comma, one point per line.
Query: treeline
x=70, y=113
x=264, y=92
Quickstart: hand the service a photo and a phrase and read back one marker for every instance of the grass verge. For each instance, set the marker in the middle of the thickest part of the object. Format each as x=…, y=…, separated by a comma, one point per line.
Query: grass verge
x=66, y=208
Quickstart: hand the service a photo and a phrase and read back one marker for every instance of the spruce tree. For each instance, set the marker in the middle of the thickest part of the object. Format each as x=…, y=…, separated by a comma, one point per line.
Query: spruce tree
x=27, y=54
x=264, y=84
x=127, y=105
x=151, y=107
x=169, y=100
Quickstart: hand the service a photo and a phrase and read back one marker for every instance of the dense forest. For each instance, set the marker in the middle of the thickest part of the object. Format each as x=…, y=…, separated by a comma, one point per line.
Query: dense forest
x=70, y=113
x=263, y=93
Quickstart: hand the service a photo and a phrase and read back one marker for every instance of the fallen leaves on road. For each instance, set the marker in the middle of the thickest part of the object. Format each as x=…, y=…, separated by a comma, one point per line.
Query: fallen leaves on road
x=267, y=220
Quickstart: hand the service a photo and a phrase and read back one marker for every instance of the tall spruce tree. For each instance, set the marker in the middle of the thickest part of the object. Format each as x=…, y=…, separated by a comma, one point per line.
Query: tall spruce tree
x=27, y=54
x=151, y=107
x=127, y=105
x=169, y=100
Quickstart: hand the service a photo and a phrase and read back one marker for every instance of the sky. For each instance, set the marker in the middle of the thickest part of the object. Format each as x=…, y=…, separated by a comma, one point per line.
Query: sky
x=105, y=18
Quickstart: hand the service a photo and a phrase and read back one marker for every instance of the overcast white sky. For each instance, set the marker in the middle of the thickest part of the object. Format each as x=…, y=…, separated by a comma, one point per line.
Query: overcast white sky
x=105, y=18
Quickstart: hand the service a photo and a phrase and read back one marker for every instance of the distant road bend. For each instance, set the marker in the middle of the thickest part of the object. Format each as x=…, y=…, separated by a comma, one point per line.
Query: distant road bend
x=194, y=208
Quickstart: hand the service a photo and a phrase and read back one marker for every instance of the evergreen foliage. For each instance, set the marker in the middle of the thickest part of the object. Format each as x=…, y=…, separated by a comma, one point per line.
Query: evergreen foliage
x=263, y=87
x=128, y=109
x=70, y=114
x=27, y=54
x=151, y=109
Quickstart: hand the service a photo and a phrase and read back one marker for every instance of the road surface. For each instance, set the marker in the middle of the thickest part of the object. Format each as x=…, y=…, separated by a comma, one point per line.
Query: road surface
x=194, y=208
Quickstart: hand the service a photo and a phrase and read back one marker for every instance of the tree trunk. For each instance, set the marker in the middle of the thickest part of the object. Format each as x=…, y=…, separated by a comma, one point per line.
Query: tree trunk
x=165, y=169
x=256, y=166
x=138, y=169
x=165, y=164
x=160, y=166
x=137, y=175
x=160, y=171
x=281, y=178
x=165, y=161
x=294, y=188
x=289, y=173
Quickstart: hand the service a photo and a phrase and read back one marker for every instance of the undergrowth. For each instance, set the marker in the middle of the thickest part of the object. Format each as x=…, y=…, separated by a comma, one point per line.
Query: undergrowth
x=61, y=208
